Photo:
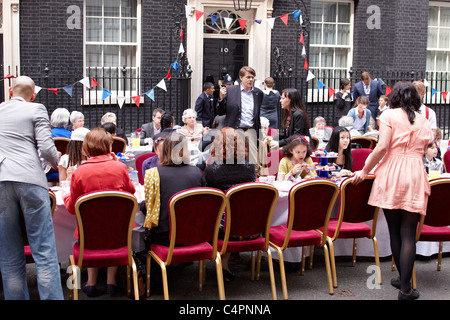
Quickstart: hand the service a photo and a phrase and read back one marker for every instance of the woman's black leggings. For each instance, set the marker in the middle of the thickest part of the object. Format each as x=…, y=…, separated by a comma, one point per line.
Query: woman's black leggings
x=402, y=230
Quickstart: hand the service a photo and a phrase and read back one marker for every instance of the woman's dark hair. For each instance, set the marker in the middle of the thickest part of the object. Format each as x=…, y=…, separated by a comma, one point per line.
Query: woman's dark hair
x=167, y=120
x=296, y=105
x=110, y=127
x=294, y=141
x=333, y=146
x=361, y=99
x=404, y=95
x=343, y=83
x=74, y=151
x=174, y=150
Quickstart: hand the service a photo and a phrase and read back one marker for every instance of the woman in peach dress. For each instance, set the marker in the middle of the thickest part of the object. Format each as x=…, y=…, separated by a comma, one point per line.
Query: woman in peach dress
x=401, y=186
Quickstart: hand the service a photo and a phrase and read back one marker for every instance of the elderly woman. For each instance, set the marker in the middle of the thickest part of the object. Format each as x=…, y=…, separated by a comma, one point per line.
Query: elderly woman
x=76, y=120
x=192, y=130
x=98, y=173
x=229, y=167
x=321, y=131
x=59, y=120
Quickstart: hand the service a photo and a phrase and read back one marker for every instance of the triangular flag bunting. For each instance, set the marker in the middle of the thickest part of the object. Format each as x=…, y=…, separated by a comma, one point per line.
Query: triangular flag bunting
x=426, y=83
x=105, y=94
x=85, y=82
x=228, y=22
x=310, y=76
x=444, y=94
x=137, y=100
x=169, y=75
x=94, y=83
x=68, y=89
x=258, y=21
x=296, y=14
x=242, y=23
x=151, y=94
x=284, y=18
x=181, y=50
x=302, y=39
x=54, y=90
x=162, y=85
x=9, y=75
x=214, y=18
x=175, y=65
x=188, y=11
x=433, y=91
x=271, y=22
x=320, y=84
x=301, y=20
x=303, y=52
x=120, y=101
x=198, y=14
x=37, y=89
x=306, y=64
x=388, y=90
x=330, y=92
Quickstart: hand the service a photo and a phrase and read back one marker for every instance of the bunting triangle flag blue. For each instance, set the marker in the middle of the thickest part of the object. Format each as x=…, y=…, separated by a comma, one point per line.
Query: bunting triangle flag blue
x=320, y=84
x=151, y=94
x=258, y=21
x=214, y=18
x=105, y=94
x=68, y=89
x=296, y=14
x=175, y=65
x=433, y=91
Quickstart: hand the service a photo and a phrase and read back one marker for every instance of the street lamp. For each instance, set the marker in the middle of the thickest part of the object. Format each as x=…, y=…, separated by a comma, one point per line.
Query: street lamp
x=242, y=5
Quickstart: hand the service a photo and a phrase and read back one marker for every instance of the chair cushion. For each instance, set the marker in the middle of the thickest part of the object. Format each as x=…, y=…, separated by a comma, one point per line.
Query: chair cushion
x=244, y=245
x=297, y=238
x=101, y=258
x=196, y=252
x=434, y=233
x=349, y=230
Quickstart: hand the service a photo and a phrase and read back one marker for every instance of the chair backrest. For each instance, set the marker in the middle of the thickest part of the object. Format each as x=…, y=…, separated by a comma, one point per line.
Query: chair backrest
x=105, y=220
x=138, y=164
x=353, y=203
x=61, y=144
x=364, y=142
x=310, y=205
x=359, y=158
x=273, y=161
x=315, y=142
x=194, y=217
x=250, y=208
x=438, y=210
x=119, y=145
x=446, y=160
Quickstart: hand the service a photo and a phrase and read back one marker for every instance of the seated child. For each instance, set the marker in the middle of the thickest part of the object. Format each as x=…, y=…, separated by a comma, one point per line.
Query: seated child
x=430, y=157
x=297, y=160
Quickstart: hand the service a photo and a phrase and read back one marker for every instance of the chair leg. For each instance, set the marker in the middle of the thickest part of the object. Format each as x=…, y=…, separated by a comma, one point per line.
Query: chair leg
x=332, y=262
x=149, y=261
x=328, y=270
x=135, y=280
x=439, y=256
x=282, y=271
x=311, y=256
x=219, y=273
x=74, y=292
x=253, y=266
x=272, y=275
x=355, y=245
x=393, y=264
x=377, y=259
x=164, y=278
x=258, y=264
x=414, y=281
x=302, y=269
x=200, y=275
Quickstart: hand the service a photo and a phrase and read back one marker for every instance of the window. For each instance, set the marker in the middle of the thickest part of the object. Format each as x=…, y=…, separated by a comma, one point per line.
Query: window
x=330, y=40
x=438, y=47
x=111, y=42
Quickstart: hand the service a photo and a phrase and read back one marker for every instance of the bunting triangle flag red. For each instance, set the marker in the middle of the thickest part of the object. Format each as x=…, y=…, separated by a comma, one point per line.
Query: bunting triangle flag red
x=302, y=39
x=444, y=94
x=54, y=90
x=136, y=100
x=9, y=75
x=306, y=64
x=331, y=92
x=181, y=34
x=93, y=83
x=284, y=18
x=169, y=75
x=388, y=90
x=242, y=23
x=198, y=14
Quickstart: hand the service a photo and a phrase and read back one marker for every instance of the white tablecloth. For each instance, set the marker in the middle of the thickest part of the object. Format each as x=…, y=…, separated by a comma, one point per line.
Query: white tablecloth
x=344, y=247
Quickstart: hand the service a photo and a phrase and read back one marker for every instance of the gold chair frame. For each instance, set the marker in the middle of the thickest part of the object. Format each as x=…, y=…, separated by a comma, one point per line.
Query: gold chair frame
x=373, y=141
x=121, y=140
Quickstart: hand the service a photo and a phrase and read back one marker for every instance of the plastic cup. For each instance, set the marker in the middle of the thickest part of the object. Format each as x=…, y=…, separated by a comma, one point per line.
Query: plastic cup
x=271, y=179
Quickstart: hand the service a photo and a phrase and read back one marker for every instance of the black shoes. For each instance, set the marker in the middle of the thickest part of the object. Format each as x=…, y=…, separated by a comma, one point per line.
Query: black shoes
x=411, y=295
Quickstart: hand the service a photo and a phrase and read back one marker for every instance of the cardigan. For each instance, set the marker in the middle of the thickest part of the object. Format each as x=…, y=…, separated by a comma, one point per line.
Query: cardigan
x=354, y=113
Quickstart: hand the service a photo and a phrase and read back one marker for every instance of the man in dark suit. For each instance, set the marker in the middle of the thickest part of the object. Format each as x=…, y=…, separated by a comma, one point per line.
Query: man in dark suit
x=204, y=106
x=148, y=130
x=371, y=89
x=241, y=106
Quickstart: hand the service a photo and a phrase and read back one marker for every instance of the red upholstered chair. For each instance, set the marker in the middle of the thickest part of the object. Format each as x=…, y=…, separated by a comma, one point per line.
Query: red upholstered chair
x=61, y=144
x=194, y=218
x=245, y=218
x=119, y=145
x=105, y=224
x=273, y=161
x=310, y=206
x=351, y=222
x=26, y=248
x=138, y=164
x=434, y=226
x=359, y=158
x=316, y=142
x=365, y=142
x=446, y=160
